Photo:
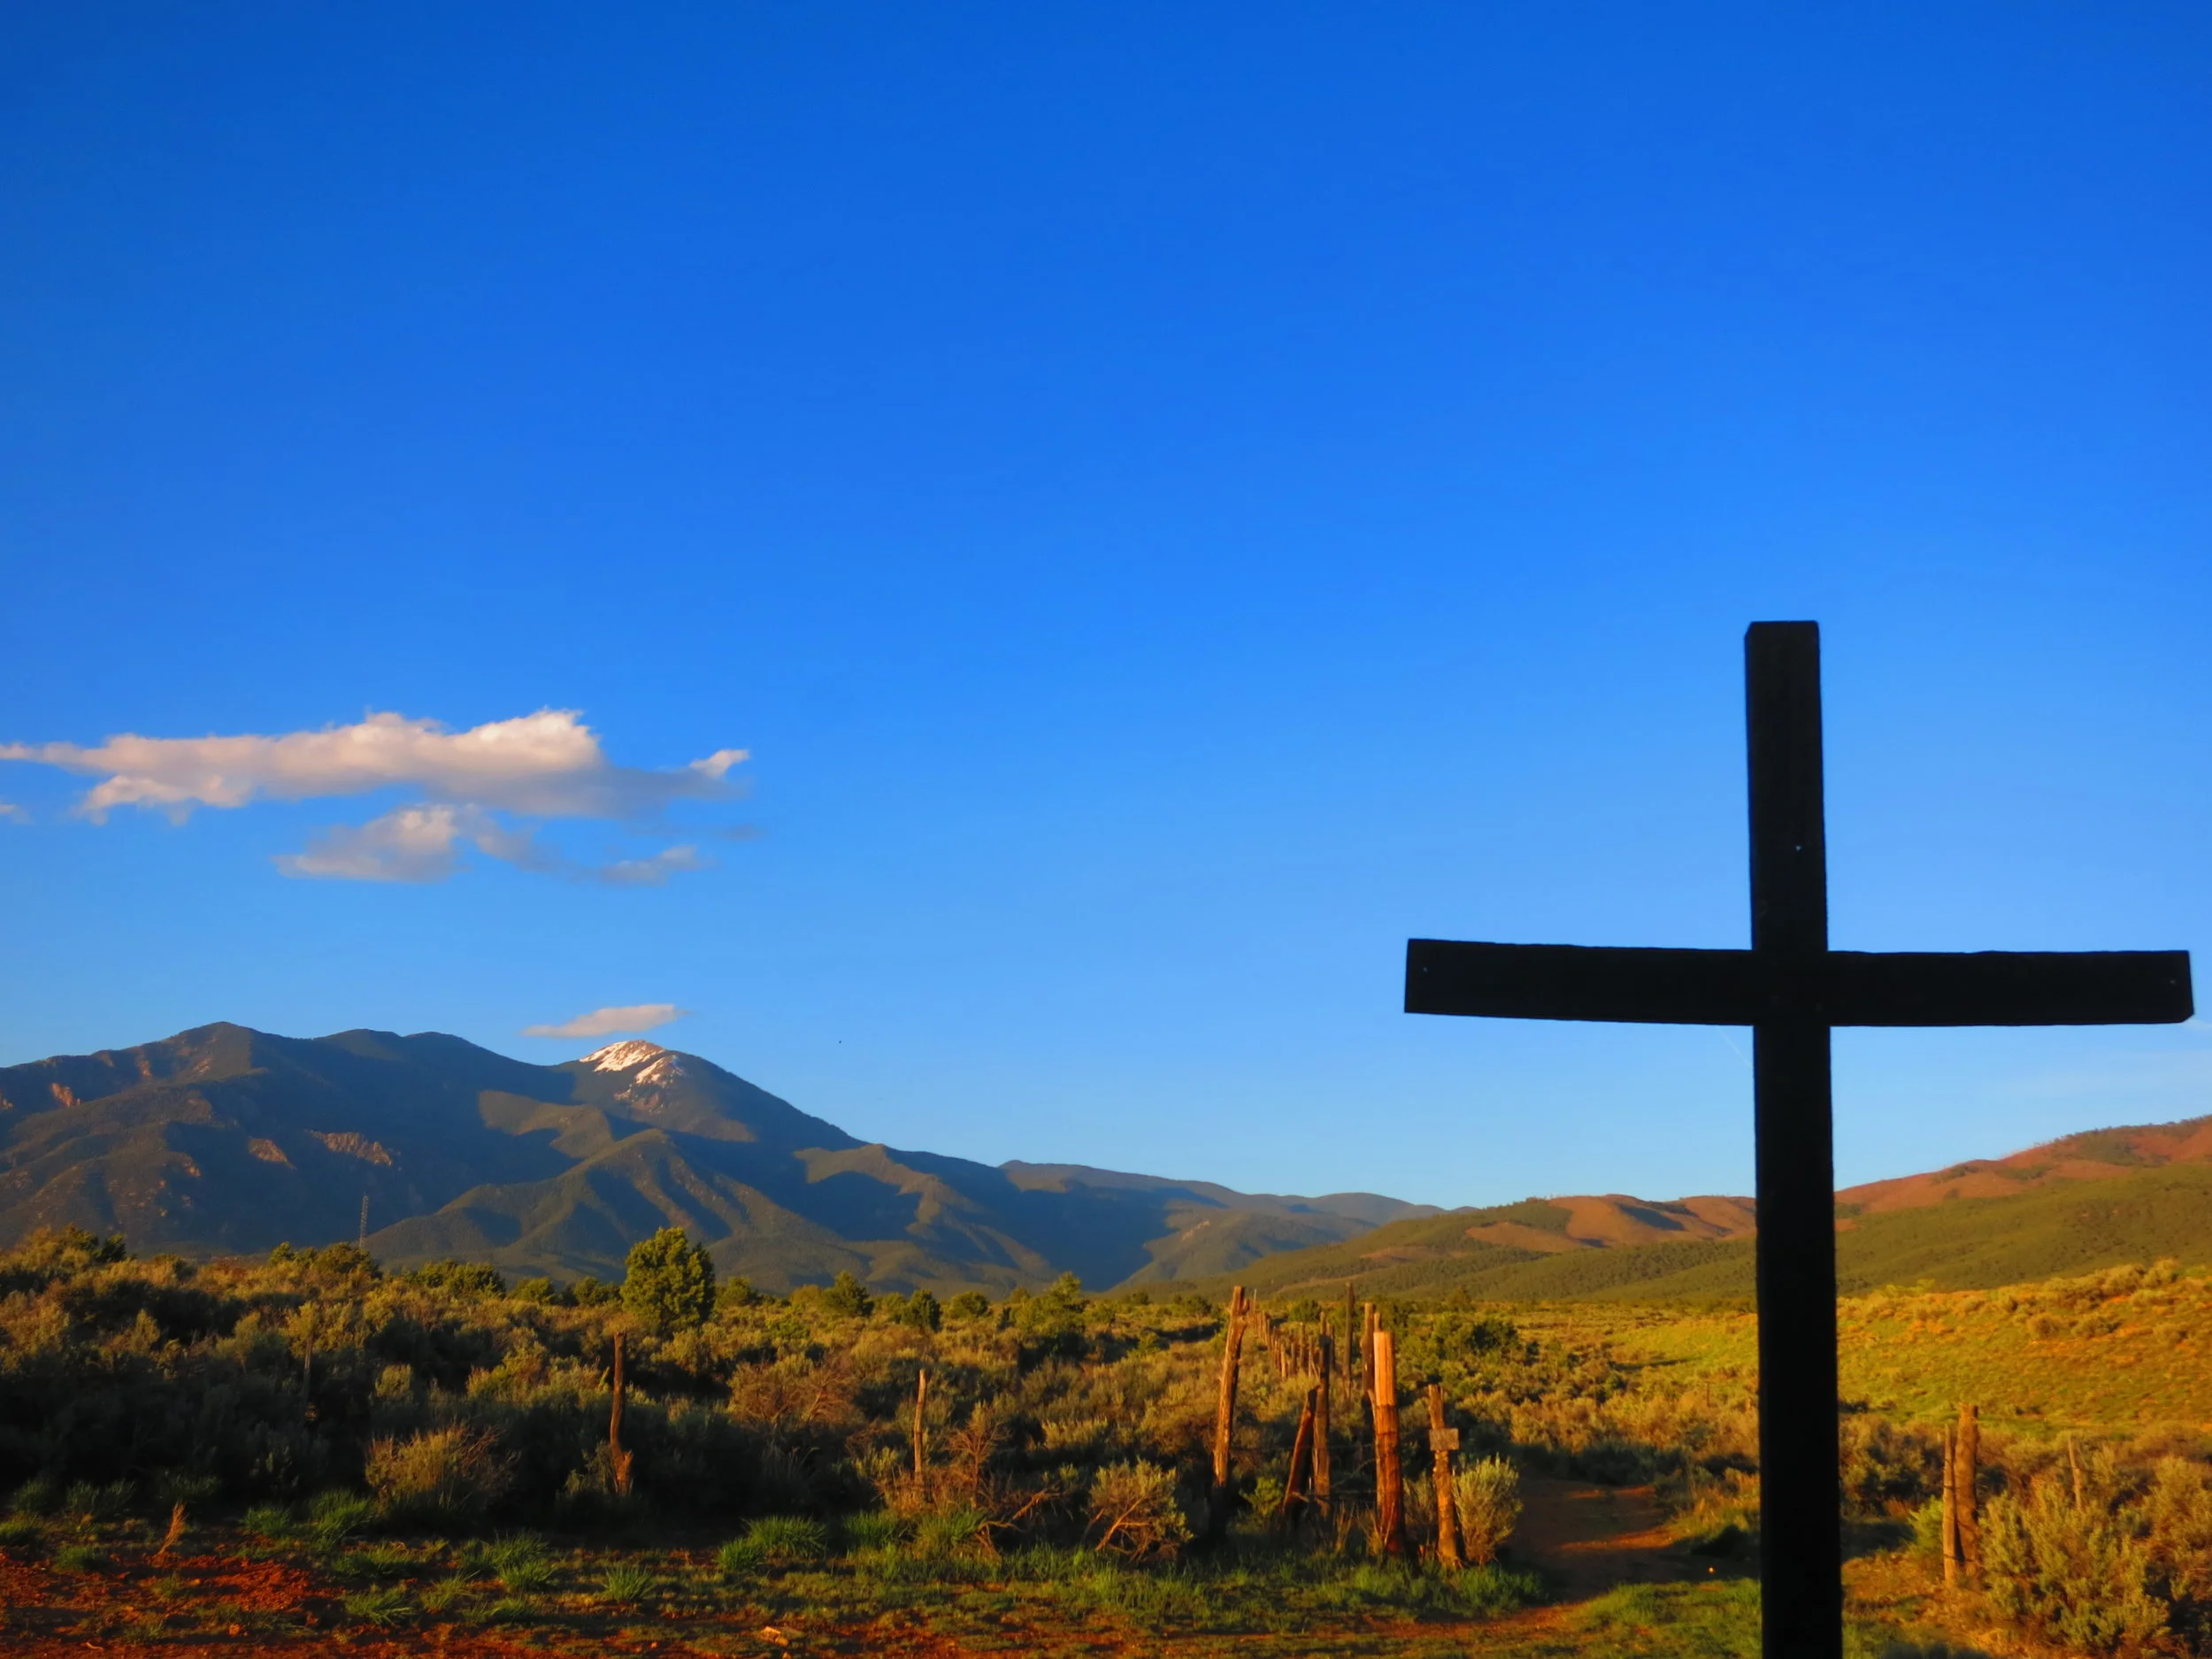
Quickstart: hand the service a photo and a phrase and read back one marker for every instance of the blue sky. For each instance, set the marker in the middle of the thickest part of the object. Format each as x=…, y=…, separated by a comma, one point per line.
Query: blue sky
x=1172, y=499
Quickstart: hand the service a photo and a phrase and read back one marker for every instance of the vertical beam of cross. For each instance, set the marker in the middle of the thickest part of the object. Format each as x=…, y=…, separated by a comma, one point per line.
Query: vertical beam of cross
x=1791, y=989
x=1800, y=1529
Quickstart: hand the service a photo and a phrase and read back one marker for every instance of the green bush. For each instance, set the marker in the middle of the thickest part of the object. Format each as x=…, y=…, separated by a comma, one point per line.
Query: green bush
x=462, y=1278
x=79, y=1558
x=1133, y=1512
x=668, y=1282
x=969, y=1304
x=2068, y=1571
x=871, y=1530
x=626, y=1586
x=446, y=1476
x=922, y=1312
x=780, y=1540
x=1489, y=1491
x=21, y=1532
x=847, y=1296
x=40, y=1495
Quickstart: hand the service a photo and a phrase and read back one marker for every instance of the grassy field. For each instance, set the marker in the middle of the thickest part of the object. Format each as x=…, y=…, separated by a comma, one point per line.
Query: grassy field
x=2124, y=1351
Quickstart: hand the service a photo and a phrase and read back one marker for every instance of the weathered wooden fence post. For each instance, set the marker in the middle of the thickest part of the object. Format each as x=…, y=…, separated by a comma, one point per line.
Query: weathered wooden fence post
x=1967, y=1510
x=1950, y=1504
x=1351, y=1333
x=1301, y=1475
x=1390, y=1516
x=1225, y=1412
x=1443, y=1441
x=921, y=1431
x=618, y=1459
x=1321, y=1431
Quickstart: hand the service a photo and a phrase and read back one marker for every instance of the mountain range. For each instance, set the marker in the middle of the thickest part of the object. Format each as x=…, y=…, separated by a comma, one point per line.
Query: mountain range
x=224, y=1139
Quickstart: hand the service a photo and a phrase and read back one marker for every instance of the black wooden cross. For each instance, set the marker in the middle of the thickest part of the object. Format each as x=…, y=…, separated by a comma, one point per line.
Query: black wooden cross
x=1791, y=989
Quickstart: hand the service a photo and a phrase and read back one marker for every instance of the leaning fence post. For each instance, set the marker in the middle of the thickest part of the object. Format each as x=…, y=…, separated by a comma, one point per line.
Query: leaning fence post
x=1300, y=1474
x=1225, y=1412
x=1321, y=1430
x=618, y=1458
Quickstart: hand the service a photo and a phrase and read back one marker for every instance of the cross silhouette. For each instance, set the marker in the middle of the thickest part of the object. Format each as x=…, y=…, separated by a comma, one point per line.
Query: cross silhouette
x=1792, y=989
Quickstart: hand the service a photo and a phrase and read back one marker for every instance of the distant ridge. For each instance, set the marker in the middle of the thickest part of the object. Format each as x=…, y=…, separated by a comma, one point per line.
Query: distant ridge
x=225, y=1140
x=2090, y=1200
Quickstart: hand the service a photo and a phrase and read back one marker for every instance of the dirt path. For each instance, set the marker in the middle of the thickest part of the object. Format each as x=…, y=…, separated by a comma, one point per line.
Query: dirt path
x=1588, y=1538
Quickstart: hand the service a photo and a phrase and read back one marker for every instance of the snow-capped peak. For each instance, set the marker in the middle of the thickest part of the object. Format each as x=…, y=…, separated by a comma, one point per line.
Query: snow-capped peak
x=623, y=1057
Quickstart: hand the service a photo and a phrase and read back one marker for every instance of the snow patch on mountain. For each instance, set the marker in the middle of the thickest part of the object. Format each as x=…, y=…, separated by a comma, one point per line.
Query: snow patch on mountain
x=621, y=1056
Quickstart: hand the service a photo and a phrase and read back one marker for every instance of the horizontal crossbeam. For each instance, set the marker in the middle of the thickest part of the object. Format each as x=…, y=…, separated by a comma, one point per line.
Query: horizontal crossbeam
x=1836, y=988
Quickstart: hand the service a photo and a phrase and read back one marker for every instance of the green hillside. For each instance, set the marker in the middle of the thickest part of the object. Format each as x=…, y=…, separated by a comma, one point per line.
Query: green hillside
x=1963, y=1244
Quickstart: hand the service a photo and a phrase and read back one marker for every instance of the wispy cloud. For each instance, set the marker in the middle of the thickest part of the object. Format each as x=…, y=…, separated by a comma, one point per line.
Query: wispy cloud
x=10, y=813
x=608, y=1021
x=544, y=766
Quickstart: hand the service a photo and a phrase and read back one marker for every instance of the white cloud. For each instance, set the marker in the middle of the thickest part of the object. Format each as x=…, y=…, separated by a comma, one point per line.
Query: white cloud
x=547, y=764
x=413, y=843
x=10, y=813
x=649, y=872
x=606, y=1022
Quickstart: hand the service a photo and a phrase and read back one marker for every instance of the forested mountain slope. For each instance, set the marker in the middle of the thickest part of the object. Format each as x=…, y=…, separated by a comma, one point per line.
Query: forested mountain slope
x=224, y=1139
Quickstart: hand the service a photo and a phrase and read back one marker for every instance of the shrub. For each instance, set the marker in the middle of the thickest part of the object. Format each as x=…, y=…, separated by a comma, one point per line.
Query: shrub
x=271, y=1523
x=2069, y=1570
x=626, y=1586
x=969, y=1304
x=847, y=1295
x=462, y=1278
x=1489, y=1494
x=782, y=1541
x=22, y=1533
x=922, y=1312
x=1133, y=1512
x=874, y=1530
x=668, y=1283
x=444, y=1475
x=40, y=1495
x=593, y=1293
